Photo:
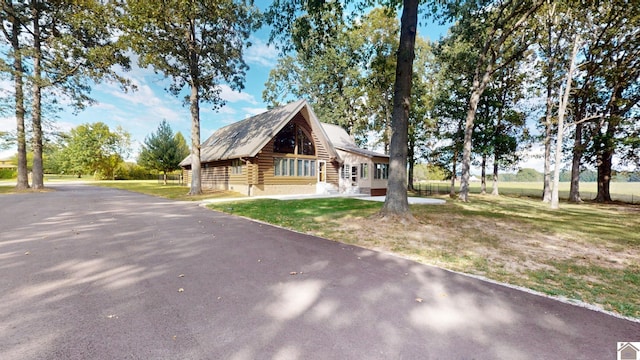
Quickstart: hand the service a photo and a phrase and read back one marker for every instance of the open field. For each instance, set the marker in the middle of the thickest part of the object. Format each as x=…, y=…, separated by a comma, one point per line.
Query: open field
x=620, y=191
x=585, y=252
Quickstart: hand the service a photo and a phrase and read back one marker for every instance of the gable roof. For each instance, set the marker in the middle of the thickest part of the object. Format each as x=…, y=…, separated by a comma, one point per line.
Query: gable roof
x=247, y=137
x=341, y=140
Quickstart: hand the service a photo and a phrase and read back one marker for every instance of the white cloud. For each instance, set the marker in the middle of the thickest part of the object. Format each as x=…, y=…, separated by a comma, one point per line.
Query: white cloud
x=253, y=111
x=228, y=94
x=144, y=96
x=8, y=123
x=260, y=53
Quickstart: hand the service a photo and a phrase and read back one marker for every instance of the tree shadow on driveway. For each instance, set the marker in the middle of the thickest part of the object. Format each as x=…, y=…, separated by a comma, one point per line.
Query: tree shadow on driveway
x=101, y=273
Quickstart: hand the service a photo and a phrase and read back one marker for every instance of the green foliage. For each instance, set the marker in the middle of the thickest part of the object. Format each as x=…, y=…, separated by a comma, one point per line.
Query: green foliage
x=430, y=172
x=94, y=149
x=8, y=173
x=198, y=45
x=523, y=175
x=325, y=70
x=163, y=151
x=133, y=171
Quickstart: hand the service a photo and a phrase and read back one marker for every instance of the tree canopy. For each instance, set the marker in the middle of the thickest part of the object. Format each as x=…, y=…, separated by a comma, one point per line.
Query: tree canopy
x=199, y=45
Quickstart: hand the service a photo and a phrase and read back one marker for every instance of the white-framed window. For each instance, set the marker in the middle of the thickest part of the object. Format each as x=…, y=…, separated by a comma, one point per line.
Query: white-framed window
x=345, y=171
x=381, y=171
x=236, y=166
x=294, y=167
x=364, y=171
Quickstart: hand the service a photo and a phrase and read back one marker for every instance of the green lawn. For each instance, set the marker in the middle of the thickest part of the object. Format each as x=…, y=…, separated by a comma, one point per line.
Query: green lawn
x=586, y=252
x=174, y=192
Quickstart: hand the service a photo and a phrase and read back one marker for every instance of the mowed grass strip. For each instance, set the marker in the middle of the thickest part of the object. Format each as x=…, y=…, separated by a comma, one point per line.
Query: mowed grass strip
x=169, y=191
x=586, y=252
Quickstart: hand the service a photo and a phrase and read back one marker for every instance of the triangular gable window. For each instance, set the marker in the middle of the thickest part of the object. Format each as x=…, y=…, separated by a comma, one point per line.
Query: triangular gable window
x=292, y=139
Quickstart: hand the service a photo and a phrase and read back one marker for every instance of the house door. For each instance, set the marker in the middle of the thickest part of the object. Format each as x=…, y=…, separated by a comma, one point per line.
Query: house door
x=322, y=171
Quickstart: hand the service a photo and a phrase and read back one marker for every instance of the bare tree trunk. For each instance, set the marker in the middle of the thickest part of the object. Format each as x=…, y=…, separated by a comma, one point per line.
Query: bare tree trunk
x=164, y=177
x=194, y=99
x=495, y=191
x=468, y=132
x=396, y=203
x=604, y=176
x=605, y=156
x=452, y=189
x=552, y=20
x=574, y=191
x=546, y=190
x=18, y=73
x=483, y=180
x=196, y=182
x=412, y=162
x=561, y=110
x=37, y=171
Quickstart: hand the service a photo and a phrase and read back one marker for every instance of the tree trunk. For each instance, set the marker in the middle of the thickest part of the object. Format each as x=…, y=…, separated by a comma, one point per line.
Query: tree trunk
x=18, y=73
x=605, y=156
x=604, y=176
x=412, y=162
x=396, y=203
x=452, y=189
x=37, y=171
x=561, y=110
x=574, y=192
x=164, y=178
x=552, y=20
x=483, y=172
x=546, y=189
x=196, y=182
x=468, y=132
x=494, y=190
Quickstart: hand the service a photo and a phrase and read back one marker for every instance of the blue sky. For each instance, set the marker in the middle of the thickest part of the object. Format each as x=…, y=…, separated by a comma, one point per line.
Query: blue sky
x=141, y=111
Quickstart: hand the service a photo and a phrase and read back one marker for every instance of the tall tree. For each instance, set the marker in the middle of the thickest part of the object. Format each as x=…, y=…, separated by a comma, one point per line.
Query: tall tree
x=499, y=28
x=199, y=44
x=562, y=107
x=71, y=45
x=163, y=151
x=289, y=20
x=554, y=27
x=615, y=47
x=396, y=203
x=12, y=31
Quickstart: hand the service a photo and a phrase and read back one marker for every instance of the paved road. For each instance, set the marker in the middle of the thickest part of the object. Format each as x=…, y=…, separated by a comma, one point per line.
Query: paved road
x=93, y=273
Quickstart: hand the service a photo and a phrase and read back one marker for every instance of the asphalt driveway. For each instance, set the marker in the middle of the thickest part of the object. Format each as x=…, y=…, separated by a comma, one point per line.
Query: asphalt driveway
x=96, y=273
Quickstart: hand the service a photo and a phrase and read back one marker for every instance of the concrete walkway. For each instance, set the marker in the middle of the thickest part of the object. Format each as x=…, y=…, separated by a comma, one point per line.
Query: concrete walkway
x=97, y=273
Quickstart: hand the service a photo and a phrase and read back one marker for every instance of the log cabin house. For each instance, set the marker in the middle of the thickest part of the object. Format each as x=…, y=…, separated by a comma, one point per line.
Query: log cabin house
x=287, y=151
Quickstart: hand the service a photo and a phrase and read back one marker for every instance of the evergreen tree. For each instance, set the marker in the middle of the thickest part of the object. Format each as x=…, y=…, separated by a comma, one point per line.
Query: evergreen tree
x=163, y=150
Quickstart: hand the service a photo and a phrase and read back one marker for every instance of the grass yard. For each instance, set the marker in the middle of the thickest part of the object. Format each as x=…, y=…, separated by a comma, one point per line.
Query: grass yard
x=586, y=252
x=174, y=192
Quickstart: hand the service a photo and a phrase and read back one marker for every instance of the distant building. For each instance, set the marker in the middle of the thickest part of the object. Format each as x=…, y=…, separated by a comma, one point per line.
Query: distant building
x=7, y=164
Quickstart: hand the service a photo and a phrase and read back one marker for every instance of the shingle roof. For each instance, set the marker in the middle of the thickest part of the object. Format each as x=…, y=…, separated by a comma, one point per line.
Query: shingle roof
x=247, y=137
x=341, y=140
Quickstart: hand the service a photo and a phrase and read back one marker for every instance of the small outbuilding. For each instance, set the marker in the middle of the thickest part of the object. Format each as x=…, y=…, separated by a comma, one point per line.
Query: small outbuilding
x=288, y=151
